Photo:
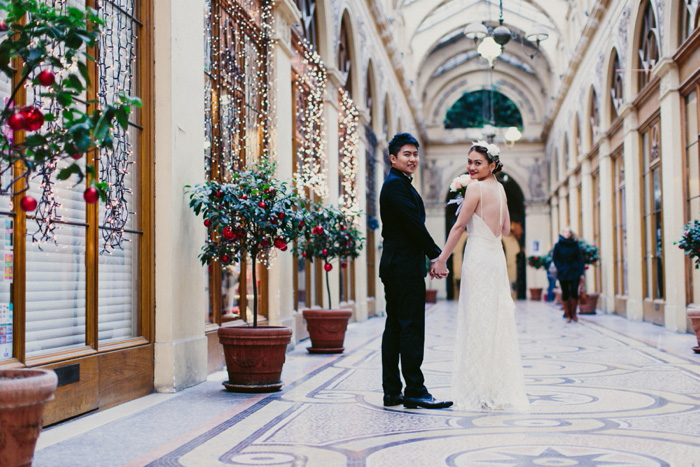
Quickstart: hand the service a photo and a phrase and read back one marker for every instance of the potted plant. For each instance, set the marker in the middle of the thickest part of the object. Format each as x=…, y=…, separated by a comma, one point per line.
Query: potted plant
x=247, y=220
x=23, y=394
x=330, y=234
x=57, y=126
x=690, y=244
x=588, y=300
x=538, y=262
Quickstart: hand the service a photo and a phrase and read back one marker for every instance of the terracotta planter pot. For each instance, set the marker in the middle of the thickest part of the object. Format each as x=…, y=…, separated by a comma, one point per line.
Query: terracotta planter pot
x=23, y=394
x=587, y=304
x=431, y=295
x=536, y=293
x=694, y=316
x=254, y=357
x=326, y=329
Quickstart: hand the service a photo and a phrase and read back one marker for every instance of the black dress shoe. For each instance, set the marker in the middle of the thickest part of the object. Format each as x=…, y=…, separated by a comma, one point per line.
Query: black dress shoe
x=427, y=402
x=391, y=399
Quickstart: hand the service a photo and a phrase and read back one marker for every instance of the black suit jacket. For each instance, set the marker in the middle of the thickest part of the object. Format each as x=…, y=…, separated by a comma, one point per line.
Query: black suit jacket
x=406, y=240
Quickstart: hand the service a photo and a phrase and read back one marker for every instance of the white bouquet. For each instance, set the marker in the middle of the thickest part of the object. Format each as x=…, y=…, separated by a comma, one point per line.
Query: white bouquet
x=459, y=184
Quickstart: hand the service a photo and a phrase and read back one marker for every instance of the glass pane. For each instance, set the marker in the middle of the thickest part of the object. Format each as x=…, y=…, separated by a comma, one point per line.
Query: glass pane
x=230, y=292
x=301, y=278
x=118, y=308
x=56, y=292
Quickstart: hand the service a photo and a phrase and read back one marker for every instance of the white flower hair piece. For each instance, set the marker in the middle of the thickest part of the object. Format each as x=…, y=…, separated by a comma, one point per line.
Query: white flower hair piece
x=493, y=150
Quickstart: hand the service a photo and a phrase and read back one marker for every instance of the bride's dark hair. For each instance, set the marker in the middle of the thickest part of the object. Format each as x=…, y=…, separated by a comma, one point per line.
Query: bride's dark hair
x=489, y=157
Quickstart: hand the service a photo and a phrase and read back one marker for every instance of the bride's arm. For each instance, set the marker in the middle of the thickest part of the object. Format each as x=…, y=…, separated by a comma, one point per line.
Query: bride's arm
x=471, y=199
x=505, y=230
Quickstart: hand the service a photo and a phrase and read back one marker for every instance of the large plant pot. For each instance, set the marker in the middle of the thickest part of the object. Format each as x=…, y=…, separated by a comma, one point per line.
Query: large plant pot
x=587, y=304
x=536, y=293
x=431, y=295
x=23, y=394
x=254, y=357
x=326, y=330
x=694, y=316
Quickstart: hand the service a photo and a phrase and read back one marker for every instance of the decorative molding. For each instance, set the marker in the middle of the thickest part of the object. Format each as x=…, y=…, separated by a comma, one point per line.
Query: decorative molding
x=622, y=27
x=660, y=23
x=598, y=83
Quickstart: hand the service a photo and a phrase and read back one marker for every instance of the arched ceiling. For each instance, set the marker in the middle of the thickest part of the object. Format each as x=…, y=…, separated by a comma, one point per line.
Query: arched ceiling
x=433, y=31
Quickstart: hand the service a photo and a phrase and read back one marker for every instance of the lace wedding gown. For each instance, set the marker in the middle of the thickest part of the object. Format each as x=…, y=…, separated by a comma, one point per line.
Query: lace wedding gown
x=487, y=373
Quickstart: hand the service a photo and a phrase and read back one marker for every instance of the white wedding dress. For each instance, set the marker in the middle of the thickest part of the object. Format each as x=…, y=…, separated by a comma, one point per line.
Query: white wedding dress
x=487, y=373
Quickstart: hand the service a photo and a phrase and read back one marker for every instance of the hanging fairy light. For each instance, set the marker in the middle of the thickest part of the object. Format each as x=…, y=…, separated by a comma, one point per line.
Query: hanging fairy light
x=347, y=152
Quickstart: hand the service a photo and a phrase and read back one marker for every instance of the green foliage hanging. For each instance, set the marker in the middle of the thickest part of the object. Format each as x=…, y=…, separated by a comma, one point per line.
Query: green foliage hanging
x=472, y=110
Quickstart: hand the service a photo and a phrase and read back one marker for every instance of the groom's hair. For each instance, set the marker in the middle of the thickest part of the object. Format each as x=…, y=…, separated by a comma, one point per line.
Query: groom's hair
x=400, y=140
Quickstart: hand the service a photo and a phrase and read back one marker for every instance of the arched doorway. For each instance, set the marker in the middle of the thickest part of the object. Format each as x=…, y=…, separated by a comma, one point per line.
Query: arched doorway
x=514, y=246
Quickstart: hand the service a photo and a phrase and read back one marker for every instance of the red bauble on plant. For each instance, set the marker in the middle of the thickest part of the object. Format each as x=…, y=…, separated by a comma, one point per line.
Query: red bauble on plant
x=90, y=195
x=328, y=267
x=33, y=118
x=262, y=204
x=16, y=121
x=46, y=78
x=27, y=203
x=207, y=222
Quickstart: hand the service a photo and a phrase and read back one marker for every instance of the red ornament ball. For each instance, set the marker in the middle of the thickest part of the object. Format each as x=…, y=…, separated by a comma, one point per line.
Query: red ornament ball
x=344, y=265
x=301, y=223
x=3, y=26
x=244, y=197
x=207, y=222
x=280, y=215
x=324, y=252
x=33, y=118
x=228, y=233
x=46, y=78
x=219, y=193
x=225, y=259
x=27, y=203
x=264, y=243
x=328, y=266
x=262, y=204
x=303, y=254
x=16, y=121
x=90, y=195
x=77, y=155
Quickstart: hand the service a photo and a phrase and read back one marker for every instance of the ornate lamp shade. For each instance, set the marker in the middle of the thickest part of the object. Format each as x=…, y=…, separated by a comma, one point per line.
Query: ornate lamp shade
x=512, y=135
x=537, y=33
x=476, y=31
x=501, y=35
x=489, y=49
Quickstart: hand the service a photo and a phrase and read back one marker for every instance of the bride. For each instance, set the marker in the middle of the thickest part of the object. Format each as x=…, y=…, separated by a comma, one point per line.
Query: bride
x=487, y=372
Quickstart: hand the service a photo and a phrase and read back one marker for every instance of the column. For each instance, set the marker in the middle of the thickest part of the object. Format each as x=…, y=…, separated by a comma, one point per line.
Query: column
x=633, y=190
x=280, y=276
x=181, y=346
x=538, y=230
x=672, y=152
x=607, y=240
x=361, y=187
x=382, y=145
x=586, y=230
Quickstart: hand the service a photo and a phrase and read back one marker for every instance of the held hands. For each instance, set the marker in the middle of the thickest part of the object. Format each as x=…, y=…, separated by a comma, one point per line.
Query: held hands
x=438, y=269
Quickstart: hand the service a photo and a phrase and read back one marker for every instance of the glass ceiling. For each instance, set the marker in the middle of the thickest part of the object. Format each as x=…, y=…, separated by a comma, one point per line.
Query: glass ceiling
x=449, y=8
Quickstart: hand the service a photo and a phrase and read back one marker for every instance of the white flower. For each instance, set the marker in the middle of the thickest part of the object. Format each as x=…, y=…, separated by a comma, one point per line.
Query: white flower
x=459, y=184
x=464, y=179
x=493, y=150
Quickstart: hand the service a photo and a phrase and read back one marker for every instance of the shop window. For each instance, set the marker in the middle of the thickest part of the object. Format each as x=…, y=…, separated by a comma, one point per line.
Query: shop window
x=691, y=132
x=652, y=205
x=620, y=223
x=648, y=45
x=616, y=86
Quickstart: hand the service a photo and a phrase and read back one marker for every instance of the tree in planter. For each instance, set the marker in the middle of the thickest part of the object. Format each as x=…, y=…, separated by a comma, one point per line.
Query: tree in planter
x=330, y=234
x=588, y=301
x=45, y=48
x=248, y=218
x=690, y=241
x=538, y=262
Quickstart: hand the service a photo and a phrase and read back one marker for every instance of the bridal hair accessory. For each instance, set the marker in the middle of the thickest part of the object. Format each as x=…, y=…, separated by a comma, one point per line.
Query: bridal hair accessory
x=493, y=152
x=459, y=186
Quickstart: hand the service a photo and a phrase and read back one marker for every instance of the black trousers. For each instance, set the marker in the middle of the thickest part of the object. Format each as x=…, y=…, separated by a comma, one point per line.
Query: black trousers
x=404, y=335
x=569, y=289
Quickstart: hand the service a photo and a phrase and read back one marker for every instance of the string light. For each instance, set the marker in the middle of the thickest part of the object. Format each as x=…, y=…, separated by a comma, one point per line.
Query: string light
x=311, y=89
x=347, y=152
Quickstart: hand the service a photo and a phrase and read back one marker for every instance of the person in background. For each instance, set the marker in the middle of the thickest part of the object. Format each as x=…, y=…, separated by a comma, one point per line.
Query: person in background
x=568, y=259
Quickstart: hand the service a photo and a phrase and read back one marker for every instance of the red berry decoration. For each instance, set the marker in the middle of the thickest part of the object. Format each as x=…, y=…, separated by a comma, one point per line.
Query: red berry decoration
x=228, y=233
x=219, y=194
x=262, y=204
x=46, y=78
x=303, y=254
x=16, y=121
x=225, y=259
x=90, y=195
x=328, y=266
x=27, y=203
x=77, y=156
x=3, y=26
x=280, y=244
x=301, y=223
x=324, y=252
x=344, y=265
x=280, y=215
x=244, y=197
x=342, y=227
x=264, y=243
x=33, y=118
x=207, y=222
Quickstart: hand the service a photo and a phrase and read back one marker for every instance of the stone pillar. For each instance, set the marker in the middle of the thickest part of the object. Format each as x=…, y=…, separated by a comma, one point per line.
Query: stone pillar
x=280, y=276
x=573, y=206
x=180, y=343
x=673, y=197
x=554, y=216
x=361, y=187
x=585, y=231
x=382, y=145
x=607, y=240
x=563, y=208
x=538, y=230
x=633, y=193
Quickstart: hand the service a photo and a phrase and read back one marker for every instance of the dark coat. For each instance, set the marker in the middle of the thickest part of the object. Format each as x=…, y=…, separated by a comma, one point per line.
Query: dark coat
x=406, y=241
x=568, y=258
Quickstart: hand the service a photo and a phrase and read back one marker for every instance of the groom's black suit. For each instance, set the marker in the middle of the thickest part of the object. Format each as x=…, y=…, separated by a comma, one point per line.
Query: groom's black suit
x=406, y=243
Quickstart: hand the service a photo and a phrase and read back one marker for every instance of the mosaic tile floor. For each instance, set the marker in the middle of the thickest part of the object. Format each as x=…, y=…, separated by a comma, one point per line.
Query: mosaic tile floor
x=600, y=394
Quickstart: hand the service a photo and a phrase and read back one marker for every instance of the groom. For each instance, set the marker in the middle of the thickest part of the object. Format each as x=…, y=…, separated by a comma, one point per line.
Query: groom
x=406, y=242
